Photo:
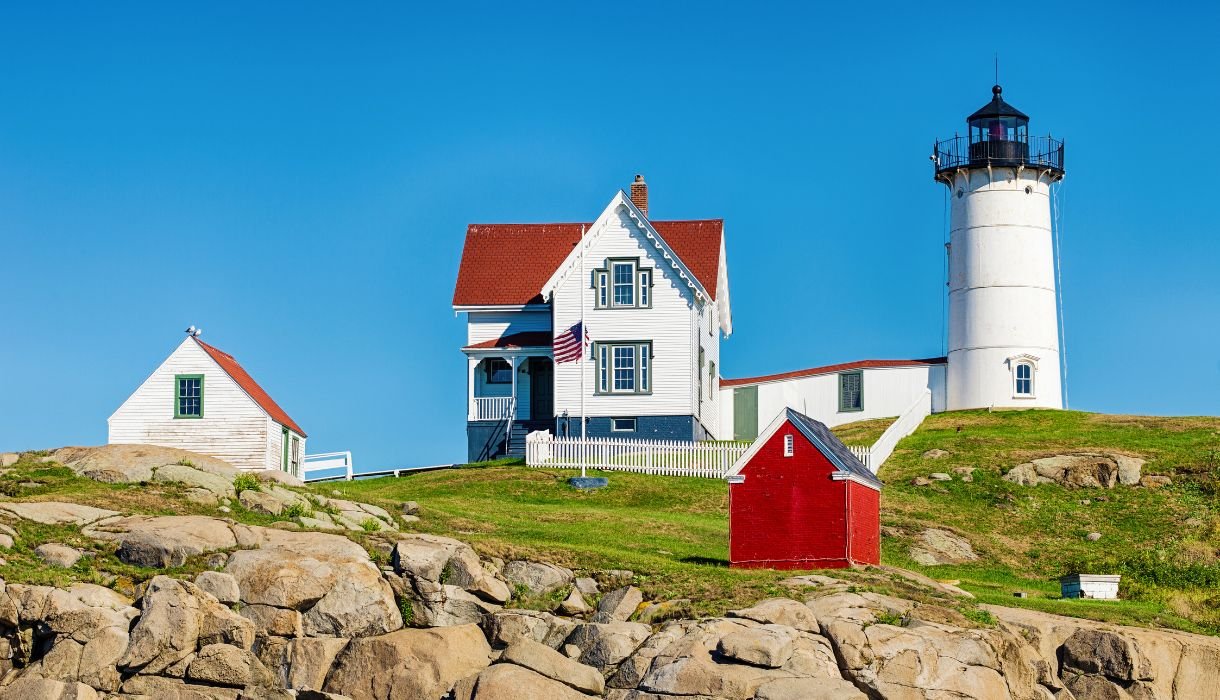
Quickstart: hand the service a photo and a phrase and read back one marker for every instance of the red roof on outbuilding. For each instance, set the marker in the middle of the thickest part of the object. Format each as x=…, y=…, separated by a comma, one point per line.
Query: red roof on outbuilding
x=828, y=369
x=229, y=364
x=507, y=264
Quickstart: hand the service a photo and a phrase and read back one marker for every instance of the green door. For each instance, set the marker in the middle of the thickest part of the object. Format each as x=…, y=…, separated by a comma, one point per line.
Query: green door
x=745, y=413
x=284, y=445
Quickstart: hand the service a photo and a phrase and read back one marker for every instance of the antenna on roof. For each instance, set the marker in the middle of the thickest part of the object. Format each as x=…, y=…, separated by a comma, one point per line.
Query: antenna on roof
x=194, y=332
x=997, y=67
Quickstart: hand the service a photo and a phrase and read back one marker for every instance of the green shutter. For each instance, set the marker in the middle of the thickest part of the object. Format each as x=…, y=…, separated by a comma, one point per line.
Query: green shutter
x=745, y=413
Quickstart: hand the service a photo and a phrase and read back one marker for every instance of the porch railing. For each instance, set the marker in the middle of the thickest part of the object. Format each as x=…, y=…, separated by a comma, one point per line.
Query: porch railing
x=662, y=457
x=491, y=407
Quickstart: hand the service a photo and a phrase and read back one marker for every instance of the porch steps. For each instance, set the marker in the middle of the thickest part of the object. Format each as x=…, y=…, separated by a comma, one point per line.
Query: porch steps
x=516, y=437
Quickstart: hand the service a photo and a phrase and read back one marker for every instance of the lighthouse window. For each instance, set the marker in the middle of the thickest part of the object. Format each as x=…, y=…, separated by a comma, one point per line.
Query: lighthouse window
x=1025, y=379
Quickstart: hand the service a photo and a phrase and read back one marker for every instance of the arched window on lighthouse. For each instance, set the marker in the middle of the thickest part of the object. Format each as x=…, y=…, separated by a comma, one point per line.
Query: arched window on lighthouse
x=1025, y=379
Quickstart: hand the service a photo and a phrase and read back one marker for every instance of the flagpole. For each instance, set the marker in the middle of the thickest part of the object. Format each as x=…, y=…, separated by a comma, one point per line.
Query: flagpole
x=581, y=344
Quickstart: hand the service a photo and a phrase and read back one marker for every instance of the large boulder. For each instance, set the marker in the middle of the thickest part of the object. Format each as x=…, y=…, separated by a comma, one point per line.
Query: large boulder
x=936, y=546
x=1079, y=470
x=327, y=578
x=135, y=463
x=620, y=604
x=56, y=513
x=536, y=577
x=178, y=617
x=409, y=663
x=224, y=664
x=442, y=560
x=605, y=645
x=35, y=688
x=169, y=540
x=780, y=611
x=511, y=682
x=310, y=660
x=221, y=485
x=768, y=647
x=550, y=663
x=222, y=586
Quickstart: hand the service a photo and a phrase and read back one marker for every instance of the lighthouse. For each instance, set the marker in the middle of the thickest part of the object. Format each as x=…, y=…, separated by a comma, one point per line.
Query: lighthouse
x=1003, y=344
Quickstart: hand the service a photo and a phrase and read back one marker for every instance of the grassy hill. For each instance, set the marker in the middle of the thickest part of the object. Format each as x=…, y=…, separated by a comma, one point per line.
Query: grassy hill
x=673, y=531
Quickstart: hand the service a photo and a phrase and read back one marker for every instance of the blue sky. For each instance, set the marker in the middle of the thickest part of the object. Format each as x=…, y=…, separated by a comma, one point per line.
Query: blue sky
x=296, y=178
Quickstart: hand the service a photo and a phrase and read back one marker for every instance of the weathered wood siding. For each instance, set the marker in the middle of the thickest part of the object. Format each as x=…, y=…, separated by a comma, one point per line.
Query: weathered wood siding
x=489, y=325
x=275, y=445
x=233, y=427
x=669, y=324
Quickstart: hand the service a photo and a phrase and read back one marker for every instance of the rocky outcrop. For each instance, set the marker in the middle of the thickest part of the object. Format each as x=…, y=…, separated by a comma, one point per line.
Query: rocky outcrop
x=409, y=663
x=1081, y=470
x=936, y=546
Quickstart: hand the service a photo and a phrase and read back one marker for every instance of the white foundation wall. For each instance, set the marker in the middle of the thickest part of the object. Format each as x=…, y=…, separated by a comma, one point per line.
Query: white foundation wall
x=887, y=392
x=1002, y=298
x=668, y=324
x=233, y=427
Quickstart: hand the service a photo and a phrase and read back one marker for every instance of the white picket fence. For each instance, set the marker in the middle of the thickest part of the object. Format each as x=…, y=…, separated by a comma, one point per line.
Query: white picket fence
x=661, y=457
x=863, y=454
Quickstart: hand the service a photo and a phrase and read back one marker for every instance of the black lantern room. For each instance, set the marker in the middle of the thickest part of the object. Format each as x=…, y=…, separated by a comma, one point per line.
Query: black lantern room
x=998, y=136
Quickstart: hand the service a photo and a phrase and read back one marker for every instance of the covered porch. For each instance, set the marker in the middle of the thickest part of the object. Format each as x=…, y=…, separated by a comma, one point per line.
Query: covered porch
x=510, y=391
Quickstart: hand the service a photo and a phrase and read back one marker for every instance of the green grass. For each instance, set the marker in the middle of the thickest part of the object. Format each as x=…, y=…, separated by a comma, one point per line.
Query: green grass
x=864, y=432
x=673, y=532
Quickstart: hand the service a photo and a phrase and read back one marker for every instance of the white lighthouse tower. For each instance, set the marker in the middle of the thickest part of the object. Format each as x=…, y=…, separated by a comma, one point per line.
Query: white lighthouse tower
x=1003, y=313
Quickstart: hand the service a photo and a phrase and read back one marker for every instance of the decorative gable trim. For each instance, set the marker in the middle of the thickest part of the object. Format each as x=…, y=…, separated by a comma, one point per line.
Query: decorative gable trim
x=669, y=258
x=842, y=471
x=1023, y=357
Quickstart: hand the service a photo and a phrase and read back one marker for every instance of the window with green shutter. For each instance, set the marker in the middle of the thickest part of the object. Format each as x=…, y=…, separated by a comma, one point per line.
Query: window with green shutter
x=851, y=391
x=188, y=396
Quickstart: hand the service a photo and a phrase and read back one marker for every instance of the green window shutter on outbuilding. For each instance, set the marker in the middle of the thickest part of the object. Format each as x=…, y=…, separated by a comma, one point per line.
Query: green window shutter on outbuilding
x=745, y=413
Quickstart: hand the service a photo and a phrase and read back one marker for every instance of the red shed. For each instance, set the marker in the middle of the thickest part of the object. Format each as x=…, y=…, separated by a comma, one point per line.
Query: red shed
x=799, y=499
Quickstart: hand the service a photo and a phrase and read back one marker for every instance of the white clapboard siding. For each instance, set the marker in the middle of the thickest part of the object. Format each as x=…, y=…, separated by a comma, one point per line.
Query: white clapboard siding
x=489, y=325
x=234, y=428
x=888, y=391
x=275, y=444
x=667, y=324
x=710, y=460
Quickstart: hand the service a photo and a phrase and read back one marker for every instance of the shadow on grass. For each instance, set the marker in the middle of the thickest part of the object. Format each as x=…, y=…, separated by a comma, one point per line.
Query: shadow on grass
x=706, y=561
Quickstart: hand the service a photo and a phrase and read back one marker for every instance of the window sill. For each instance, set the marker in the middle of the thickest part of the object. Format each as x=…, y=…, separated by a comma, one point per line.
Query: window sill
x=188, y=417
x=622, y=393
x=1024, y=396
x=851, y=410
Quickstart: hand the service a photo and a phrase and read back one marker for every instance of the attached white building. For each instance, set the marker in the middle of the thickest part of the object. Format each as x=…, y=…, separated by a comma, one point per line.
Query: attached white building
x=200, y=399
x=655, y=301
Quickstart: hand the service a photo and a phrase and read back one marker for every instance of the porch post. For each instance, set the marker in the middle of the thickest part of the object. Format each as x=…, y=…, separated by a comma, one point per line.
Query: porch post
x=513, y=361
x=471, y=410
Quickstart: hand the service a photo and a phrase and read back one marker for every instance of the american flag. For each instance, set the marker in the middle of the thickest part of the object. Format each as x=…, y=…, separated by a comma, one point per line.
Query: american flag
x=568, y=347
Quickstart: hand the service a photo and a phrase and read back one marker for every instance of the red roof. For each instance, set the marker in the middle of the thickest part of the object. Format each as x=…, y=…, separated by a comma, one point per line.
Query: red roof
x=507, y=264
x=830, y=369
x=251, y=387
x=526, y=339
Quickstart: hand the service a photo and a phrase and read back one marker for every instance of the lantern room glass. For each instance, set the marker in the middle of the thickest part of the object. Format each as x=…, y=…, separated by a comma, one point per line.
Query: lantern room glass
x=999, y=129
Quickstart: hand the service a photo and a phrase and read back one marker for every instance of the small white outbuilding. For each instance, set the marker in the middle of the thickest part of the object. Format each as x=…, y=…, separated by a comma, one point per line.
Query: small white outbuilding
x=200, y=399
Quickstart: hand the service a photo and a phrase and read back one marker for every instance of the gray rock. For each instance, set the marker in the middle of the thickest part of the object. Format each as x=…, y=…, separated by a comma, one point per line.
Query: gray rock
x=275, y=476
x=1129, y=469
x=920, y=481
x=198, y=478
x=621, y=604
x=512, y=682
x=587, y=587
x=222, y=586
x=177, y=618
x=806, y=688
x=654, y=613
x=33, y=688
x=935, y=546
x=58, y=555
x=165, y=541
x=223, y=664
x=57, y=513
x=1093, y=536
x=203, y=497
x=780, y=611
x=260, y=502
x=556, y=666
x=935, y=453
x=538, y=578
x=410, y=508
x=940, y=476
x=310, y=660
x=174, y=689
x=275, y=622
x=1104, y=653
x=574, y=604
x=766, y=647
x=604, y=645
x=1155, y=481
x=409, y=663
x=8, y=459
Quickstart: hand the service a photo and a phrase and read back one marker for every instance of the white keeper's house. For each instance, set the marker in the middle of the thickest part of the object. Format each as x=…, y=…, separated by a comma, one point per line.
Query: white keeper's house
x=200, y=399
x=655, y=299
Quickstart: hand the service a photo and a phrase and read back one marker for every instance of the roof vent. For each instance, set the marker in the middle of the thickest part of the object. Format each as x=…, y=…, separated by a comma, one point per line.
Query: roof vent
x=639, y=194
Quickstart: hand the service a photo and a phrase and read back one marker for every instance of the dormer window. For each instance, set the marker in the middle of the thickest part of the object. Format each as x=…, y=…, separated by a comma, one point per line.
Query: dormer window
x=622, y=284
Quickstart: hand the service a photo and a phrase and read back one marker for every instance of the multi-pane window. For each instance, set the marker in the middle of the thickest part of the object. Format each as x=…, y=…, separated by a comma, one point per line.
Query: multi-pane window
x=851, y=391
x=624, y=368
x=622, y=284
x=789, y=445
x=188, y=396
x=1025, y=379
x=498, y=371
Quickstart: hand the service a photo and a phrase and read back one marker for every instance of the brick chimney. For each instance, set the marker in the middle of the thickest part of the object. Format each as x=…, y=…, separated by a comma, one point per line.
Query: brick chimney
x=639, y=194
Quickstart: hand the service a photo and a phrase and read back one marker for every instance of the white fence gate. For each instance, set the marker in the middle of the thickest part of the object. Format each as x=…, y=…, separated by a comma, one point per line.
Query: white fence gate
x=663, y=457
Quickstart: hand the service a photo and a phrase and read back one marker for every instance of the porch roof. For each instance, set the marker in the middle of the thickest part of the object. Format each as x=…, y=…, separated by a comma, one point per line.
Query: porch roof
x=515, y=341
